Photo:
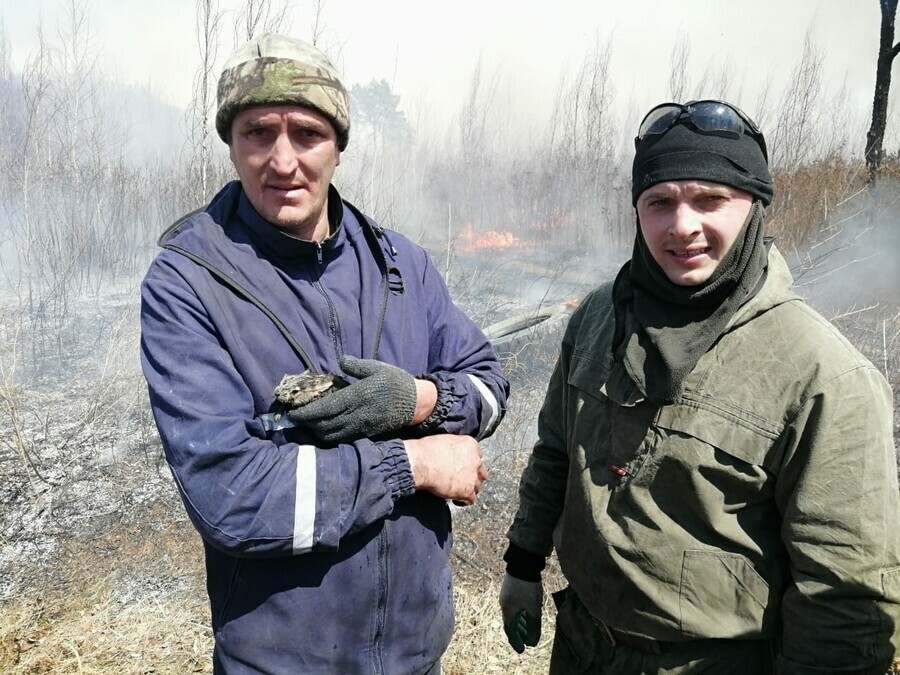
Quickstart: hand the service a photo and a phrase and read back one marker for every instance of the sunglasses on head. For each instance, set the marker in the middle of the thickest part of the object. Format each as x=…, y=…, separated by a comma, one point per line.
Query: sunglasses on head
x=707, y=116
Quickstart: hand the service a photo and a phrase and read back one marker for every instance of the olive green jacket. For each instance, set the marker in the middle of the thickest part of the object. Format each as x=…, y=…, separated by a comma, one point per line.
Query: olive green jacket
x=761, y=505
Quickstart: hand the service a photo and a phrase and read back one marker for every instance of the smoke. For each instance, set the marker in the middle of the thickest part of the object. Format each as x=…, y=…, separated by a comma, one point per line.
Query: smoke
x=854, y=264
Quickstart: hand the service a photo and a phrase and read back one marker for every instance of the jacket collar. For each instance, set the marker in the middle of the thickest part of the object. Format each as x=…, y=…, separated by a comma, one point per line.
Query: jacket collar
x=776, y=290
x=275, y=243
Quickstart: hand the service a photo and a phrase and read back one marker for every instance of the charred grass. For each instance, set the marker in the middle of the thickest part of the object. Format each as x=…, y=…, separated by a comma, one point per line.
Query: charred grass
x=128, y=596
x=133, y=602
x=130, y=601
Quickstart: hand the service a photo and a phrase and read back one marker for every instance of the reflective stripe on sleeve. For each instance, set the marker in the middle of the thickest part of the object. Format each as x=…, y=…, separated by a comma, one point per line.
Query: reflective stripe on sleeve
x=487, y=422
x=305, y=500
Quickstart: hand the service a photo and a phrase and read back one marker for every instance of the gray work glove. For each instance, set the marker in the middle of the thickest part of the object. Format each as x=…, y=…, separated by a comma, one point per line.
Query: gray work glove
x=384, y=399
x=521, y=603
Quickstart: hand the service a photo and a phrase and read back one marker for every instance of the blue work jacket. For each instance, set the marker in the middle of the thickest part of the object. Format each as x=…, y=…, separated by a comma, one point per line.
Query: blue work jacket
x=319, y=559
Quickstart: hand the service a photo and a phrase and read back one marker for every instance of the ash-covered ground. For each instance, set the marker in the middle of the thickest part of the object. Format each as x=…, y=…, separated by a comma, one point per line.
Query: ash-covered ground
x=81, y=461
x=82, y=468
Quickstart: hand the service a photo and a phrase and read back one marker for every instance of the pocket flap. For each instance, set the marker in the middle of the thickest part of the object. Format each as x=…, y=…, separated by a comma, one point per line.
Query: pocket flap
x=588, y=374
x=722, y=596
x=732, y=431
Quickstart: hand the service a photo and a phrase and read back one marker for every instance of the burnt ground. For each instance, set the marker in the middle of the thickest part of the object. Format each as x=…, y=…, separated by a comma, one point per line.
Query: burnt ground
x=89, y=509
x=81, y=461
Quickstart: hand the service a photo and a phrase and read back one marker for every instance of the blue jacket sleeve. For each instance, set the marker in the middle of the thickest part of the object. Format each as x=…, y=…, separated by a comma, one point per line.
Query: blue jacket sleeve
x=248, y=495
x=472, y=390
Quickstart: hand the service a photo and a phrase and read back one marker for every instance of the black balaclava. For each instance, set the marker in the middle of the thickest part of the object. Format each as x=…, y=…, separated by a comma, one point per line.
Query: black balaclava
x=662, y=328
x=684, y=153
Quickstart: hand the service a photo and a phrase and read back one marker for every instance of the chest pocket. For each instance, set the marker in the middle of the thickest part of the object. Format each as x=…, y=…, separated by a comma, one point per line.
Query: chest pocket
x=733, y=431
x=696, y=434
x=605, y=435
x=721, y=455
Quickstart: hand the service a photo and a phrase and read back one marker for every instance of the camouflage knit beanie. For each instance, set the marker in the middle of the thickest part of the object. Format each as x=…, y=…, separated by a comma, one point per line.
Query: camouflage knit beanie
x=277, y=70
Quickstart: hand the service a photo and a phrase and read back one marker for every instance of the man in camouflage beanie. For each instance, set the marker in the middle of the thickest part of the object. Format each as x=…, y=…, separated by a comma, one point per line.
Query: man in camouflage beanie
x=273, y=69
x=325, y=522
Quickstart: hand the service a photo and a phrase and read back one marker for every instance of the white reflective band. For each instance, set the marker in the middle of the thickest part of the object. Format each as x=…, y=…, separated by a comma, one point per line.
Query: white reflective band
x=305, y=500
x=491, y=402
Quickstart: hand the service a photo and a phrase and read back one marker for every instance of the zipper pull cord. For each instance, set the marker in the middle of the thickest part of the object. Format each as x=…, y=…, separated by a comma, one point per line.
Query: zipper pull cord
x=379, y=230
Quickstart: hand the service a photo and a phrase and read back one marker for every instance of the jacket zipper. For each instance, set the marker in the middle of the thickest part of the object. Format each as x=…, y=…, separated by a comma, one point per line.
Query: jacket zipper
x=334, y=323
x=386, y=281
x=374, y=234
x=381, y=609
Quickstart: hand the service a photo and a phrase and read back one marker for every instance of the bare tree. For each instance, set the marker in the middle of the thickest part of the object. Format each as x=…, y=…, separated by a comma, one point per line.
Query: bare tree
x=595, y=83
x=793, y=141
x=678, y=77
x=60, y=166
x=5, y=112
x=4, y=52
x=887, y=52
x=36, y=82
x=318, y=21
x=259, y=16
x=720, y=81
x=474, y=120
x=838, y=123
x=74, y=88
x=208, y=23
x=476, y=136
x=762, y=111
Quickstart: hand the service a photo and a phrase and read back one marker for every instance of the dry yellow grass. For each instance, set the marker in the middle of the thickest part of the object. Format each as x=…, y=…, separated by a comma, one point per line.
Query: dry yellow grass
x=78, y=629
x=479, y=644
x=97, y=634
x=85, y=623
x=95, y=614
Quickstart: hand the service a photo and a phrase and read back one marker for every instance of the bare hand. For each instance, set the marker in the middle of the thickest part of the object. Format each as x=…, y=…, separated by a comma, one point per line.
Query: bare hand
x=447, y=465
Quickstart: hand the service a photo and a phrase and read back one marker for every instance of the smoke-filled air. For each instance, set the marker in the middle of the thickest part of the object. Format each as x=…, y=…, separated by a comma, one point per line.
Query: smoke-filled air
x=521, y=196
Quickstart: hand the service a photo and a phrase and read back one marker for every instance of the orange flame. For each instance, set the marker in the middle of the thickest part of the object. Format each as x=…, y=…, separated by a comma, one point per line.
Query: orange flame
x=490, y=240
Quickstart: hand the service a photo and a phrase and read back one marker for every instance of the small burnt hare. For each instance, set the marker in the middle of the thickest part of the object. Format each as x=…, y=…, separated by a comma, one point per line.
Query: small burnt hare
x=295, y=391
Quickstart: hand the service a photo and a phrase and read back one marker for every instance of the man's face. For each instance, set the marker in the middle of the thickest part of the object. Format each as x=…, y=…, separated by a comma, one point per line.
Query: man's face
x=689, y=226
x=285, y=156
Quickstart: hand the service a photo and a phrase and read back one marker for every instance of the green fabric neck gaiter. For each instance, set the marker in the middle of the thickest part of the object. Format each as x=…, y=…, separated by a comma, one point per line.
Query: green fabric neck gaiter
x=662, y=329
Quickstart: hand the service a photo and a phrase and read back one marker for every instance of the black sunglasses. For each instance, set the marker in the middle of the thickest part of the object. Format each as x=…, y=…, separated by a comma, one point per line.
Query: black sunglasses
x=707, y=116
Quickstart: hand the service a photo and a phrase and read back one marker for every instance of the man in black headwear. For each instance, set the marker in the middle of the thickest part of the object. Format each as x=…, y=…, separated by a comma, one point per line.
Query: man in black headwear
x=715, y=465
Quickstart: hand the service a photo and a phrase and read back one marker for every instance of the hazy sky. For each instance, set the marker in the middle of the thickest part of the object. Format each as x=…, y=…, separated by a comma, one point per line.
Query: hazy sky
x=428, y=50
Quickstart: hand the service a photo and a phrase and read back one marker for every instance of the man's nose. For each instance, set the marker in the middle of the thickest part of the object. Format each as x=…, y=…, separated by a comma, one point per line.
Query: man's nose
x=282, y=158
x=685, y=222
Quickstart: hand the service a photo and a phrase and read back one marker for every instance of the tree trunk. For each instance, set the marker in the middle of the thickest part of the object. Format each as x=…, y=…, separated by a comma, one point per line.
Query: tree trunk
x=887, y=50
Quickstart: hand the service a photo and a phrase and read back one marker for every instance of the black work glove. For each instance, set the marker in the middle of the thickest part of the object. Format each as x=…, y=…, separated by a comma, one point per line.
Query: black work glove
x=521, y=603
x=384, y=399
